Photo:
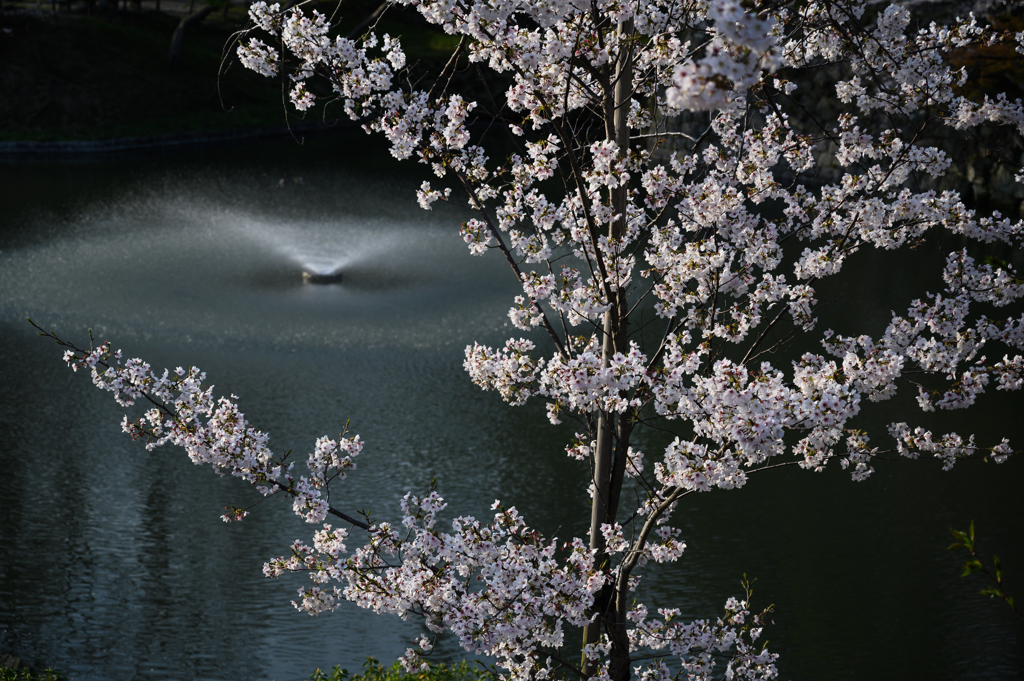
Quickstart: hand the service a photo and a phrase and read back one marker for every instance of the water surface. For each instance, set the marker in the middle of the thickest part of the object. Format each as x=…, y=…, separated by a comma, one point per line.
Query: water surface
x=114, y=563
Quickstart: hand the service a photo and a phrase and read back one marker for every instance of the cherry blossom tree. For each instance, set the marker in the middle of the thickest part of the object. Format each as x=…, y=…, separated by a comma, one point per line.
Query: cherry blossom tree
x=666, y=164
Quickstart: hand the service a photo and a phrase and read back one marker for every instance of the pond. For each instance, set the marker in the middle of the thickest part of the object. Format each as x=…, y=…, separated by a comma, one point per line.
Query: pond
x=114, y=563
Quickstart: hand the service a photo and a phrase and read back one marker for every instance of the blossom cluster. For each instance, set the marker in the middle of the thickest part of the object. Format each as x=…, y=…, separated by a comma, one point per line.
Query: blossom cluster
x=501, y=587
x=182, y=411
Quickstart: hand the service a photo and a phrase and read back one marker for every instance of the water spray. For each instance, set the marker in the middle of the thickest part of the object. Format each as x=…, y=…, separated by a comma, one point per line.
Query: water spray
x=312, y=277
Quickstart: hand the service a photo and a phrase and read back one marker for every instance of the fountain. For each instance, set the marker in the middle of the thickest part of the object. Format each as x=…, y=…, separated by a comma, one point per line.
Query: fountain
x=314, y=277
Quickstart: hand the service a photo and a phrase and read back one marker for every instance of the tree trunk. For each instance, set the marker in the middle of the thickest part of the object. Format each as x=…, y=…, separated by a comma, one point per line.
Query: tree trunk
x=174, y=53
x=608, y=474
x=599, y=506
x=616, y=616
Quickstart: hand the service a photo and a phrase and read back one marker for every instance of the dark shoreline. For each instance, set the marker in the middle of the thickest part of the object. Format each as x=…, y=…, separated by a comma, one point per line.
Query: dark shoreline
x=23, y=150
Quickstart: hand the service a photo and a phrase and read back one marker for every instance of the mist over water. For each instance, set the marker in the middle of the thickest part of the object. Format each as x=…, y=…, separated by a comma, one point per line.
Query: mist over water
x=114, y=563
x=205, y=258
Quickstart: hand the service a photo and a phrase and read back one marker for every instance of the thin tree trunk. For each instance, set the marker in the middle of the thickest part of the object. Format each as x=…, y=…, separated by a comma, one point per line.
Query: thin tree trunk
x=616, y=618
x=608, y=475
x=174, y=53
x=368, y=20
x=599, y=499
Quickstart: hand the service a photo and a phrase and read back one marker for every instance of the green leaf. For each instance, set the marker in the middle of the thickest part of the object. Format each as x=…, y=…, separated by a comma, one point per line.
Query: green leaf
x=991, y=591
x=964, y=539
x=972, y=566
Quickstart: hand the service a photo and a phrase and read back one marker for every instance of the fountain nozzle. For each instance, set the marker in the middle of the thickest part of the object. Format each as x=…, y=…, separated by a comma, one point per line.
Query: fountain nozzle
x=309, y=277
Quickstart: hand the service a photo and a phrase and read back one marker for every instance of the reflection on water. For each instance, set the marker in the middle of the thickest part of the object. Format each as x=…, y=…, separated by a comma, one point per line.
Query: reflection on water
x=114, y=563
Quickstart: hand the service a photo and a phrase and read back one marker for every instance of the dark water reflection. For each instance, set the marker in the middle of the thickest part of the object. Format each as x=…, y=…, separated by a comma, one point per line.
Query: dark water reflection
x=114, y=563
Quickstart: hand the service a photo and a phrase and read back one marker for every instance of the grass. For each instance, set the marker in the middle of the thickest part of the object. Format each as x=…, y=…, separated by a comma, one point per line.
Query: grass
x=375, y=671
x=7, y=674
x=372, y=671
